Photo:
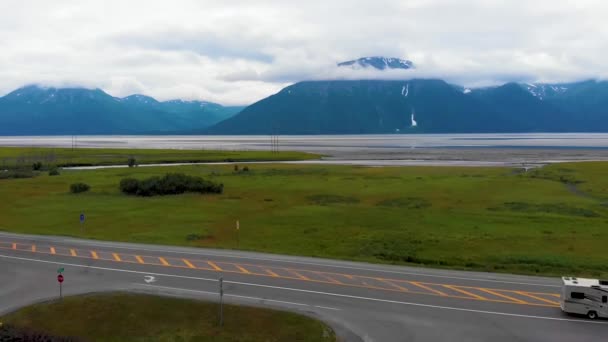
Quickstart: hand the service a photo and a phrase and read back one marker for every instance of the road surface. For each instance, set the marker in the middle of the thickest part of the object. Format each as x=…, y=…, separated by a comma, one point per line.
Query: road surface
x=362, y=302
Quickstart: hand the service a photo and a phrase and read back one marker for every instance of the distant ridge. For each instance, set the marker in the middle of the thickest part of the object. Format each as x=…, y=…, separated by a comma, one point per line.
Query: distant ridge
x=35, y=110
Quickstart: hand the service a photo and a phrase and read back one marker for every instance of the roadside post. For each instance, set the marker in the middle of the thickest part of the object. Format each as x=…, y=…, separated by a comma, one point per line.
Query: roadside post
x=221, y=301
x=82, y=219
x=60, y=281
x=238, y=238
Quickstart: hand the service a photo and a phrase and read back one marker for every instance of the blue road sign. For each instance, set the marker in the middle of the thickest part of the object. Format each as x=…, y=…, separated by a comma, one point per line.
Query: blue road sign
x=81, y=218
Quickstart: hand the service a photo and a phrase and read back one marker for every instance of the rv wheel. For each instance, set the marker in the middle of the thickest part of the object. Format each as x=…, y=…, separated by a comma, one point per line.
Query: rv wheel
x=592, y=315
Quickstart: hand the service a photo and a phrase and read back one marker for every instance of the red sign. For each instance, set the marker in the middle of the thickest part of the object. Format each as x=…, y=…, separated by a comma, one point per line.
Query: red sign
x=60, y=278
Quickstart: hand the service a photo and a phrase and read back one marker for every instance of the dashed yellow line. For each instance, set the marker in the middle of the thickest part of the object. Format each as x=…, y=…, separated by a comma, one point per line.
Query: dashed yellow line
x=401, y=288
x=34, y=248
x=188, y=263
x=73, y=252
x=52, y=250
x=271, y=273
x=14, y=246
x=537, y=297
x=139, y=259
x=116, y=257
x=299, y=275
x=465, y=292
x=498, y=294
x=163, y=261
x=94, y=255
x=215, y=267
x=242, y=269
x=443, y=294
x=331, y=280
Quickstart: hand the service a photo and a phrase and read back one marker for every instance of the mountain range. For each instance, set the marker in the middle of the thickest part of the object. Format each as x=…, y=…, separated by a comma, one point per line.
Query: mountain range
x=423, y=106
x=320, y=107
x=35, y=110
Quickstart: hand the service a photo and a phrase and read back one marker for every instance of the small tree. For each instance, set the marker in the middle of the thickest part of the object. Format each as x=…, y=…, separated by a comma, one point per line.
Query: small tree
x=77, y=188
x=236, y=168
x=54, y=171
x=132, y=162
x=37, y=166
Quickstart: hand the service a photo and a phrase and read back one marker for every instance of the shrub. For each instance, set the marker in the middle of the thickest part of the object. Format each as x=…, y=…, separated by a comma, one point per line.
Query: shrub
x=236, y=168
x=16, y=174
x=246, y=169
x=10, y=333
x=169, y=184
x=129, y=186
x=77, y=188
x=37, y=166
x=132, y=162
x=54, y=171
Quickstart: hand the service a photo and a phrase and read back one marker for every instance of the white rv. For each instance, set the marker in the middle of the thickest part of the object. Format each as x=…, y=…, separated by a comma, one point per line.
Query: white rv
x=585, y=297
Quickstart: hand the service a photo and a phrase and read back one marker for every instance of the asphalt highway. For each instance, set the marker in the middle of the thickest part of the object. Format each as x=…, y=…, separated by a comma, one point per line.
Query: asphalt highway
x=362, y=302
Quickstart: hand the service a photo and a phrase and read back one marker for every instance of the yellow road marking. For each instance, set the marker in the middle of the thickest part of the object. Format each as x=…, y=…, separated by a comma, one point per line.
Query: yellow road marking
x=537, y=298
x=94, y=255
x=163, y=261
x=331, y=280
x=429, y=288
x=453, y=287
x=215, y=267
x=116, y=257
x=519, y=301
x=52, y=250
x=393, y=284
x=242, y=269
x=360, y=280
x=271, y=273
x=299, y=275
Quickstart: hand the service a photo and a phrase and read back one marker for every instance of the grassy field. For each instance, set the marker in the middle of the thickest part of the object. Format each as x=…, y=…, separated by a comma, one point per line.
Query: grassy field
x=130, y=317
x=11, y=157
x=550, y=221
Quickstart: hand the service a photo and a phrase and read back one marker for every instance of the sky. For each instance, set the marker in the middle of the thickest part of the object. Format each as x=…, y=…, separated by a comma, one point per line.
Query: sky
x=236, y=52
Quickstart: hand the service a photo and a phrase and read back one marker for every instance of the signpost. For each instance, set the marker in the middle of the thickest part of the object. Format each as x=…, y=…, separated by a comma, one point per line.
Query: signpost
x=60, y=281
x=238, y=240
x=82, y=218
x=221, y=301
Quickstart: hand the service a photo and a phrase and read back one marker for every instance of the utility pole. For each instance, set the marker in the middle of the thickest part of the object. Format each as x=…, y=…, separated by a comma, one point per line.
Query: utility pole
x=221, y=301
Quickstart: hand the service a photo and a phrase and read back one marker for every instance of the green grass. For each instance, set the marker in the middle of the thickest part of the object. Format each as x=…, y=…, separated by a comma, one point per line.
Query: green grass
x=131, y=317
x=489, y=219
x=11, y=157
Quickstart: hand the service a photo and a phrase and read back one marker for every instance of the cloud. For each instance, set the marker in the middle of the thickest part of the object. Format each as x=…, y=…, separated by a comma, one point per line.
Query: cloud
x=239, y=51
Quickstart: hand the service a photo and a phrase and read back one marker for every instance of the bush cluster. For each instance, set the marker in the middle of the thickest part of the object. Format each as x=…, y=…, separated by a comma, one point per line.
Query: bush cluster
x=16, y=174
x=9, y=333
x=77, y=188
x=54, y=171
x=169, y=184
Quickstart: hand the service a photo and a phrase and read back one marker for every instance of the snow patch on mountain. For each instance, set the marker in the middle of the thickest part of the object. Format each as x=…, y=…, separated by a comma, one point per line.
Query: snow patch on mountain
x=405, y=90
x=378, y=62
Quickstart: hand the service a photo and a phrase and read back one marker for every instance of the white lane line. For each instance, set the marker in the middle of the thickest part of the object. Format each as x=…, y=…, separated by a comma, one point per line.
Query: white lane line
x=228, y=255
x=314, y=292
x=237, y=296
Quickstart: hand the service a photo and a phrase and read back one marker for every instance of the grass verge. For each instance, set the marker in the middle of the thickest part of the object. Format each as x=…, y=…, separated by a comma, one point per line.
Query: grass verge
x=15, y=157
x=133, y=317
